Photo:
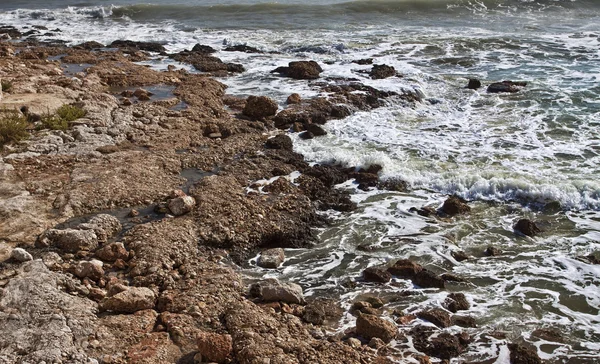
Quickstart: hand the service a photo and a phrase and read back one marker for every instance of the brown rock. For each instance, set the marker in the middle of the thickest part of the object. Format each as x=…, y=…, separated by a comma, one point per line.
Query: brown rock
x=258, y=107
x=492, y=251
x=506, y=86
x=527, y=227
x=92, y=269
x=376, y=274
x=464, y=321
x=459, y=255
x=129, y=301
x=112, y=252
x=315, y=130
x=181, y=205
x=294, y=99
x=520, y=354
x=301, y=70
x=370, y=326
x=404, y=268
x=428, y=279
x=455, y=205
x=380, y=71
x=437, y=316
x=474, y=84
x=280, y=141
x=456, y=302
x=214, y=347
x=70, y=240
x=271, y=258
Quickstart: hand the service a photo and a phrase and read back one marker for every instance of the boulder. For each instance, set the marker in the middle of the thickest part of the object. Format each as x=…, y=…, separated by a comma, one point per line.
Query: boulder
x=214, y=347
x=404, y=268
x=474, y=84
x=447, y=346
x=380, y=71
x=428, y=279
x=376, y=274
x=492, y=251
x=272, y=290
x=314, y=315
x=301, y=70
x=112, y=252
x=437, y=316
x=258, y=107
x=271, y=258
x=527, y=227
x=520, y=354
x=69, y=240
x=306, y=135
x=92, y=269
x=280, y=141
x=464, y=321
x=181, y=205
x=315, y=130
x=200, y=48
x=370, y=326
x=455, y=205
x=294, y=99
x=129, y=301
x=20, y=255
x=506, y=86
x=456, y=302
x=459, y=255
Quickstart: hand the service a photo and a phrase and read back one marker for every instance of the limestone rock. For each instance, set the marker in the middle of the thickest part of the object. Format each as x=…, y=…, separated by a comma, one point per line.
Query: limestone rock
x=214, y=347
x=181, y=205
x=271, y=258
x=129, y=301
x=370, y=326
x=92, y=269
x=104, y=225
x=272, y=290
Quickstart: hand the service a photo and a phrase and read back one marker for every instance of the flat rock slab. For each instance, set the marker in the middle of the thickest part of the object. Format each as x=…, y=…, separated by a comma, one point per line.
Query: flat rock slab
x=37, y=103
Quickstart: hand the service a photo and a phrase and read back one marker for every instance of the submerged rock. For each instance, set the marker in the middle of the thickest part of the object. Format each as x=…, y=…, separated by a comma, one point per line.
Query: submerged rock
x=371, y=326
x=492, y=251
x=428, y=279
x=527, y=227
x=474, y=84
x=506, y=86
x=271, y=258
x=455, y=205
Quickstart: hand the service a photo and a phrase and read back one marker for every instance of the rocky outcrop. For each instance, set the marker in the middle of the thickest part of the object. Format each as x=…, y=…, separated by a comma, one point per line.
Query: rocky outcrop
x=371, y=326
x=204, y=62
x=456, y=301
x=380, y=71
x=376, y=274
x=258, y=107
x=437, y=316
x=301, y=70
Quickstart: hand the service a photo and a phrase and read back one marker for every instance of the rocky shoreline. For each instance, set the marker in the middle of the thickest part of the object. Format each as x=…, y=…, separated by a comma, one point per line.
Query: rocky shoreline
x=121, y=232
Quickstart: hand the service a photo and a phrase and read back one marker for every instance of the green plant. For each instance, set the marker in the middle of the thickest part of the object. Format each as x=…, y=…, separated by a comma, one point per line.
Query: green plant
x=13, y=127
x=70, y=112
x=6, y=85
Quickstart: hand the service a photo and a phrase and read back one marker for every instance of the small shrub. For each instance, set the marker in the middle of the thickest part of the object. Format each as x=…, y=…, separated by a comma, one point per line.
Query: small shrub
x=53, y=122
x=13, y=127
x=6, y=85
x=69, y=113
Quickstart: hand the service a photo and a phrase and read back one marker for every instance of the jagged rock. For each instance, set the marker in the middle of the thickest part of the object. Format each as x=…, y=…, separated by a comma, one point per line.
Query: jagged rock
x=272, y=290
x=280, y=141
x=302, y=70
x=181, y=205
x=456, y=302
x=104, y=225
x=455, y=205
x=459, y=255
x=506, y=86
x=129, y=301
x=294, y=99
x=520, y=354
x=527, y=227
x=314, y=314
x=271, y=258
x=363, y=61
x=112, y=252
x=306, y=135
x=258, y=107
x=380, y=71
x=404, y=268
x=214, y=347
x=203, y=49
x=447, y=346
x=437, y=316
x=92, y=269
x=143, y=46
x=70, y=240
x=242, y=48
x=492, y=251
x=376, y=274
x=464, y=321
x=370, y=326
x=428, y=279
x=451, y=277
x=474, y=84
x=315, y=130
x=21, y=255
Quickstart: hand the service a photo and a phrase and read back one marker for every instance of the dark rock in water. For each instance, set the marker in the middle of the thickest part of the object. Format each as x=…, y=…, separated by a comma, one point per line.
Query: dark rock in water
x=459, y=255
x=242, y=48
x=143, y=46
x=306, y=135
x=314, y=315
x=301, y=70
x=506, y=86
x=393, y=184
x=447, y=346
x=363, y=61
x=527, y=227
x=258, y=107
x=451, y=277
x=380, y=71
x=294, y=99
x=437, y=316
x=200, y=48
x=593, y=258
x=376, y=274
x=464, y=321
x=89, y=45
x=428, y=279
x=404, y=268
x=204, y=62
x=474, y=84
x=456, y=302
x=520, y=354
x=370, y=326
x=316, y=130
x=492, y=251
x=455, y=205
x=12, y=32
x=286, y=118
x=280, y=141
x=424, y=211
